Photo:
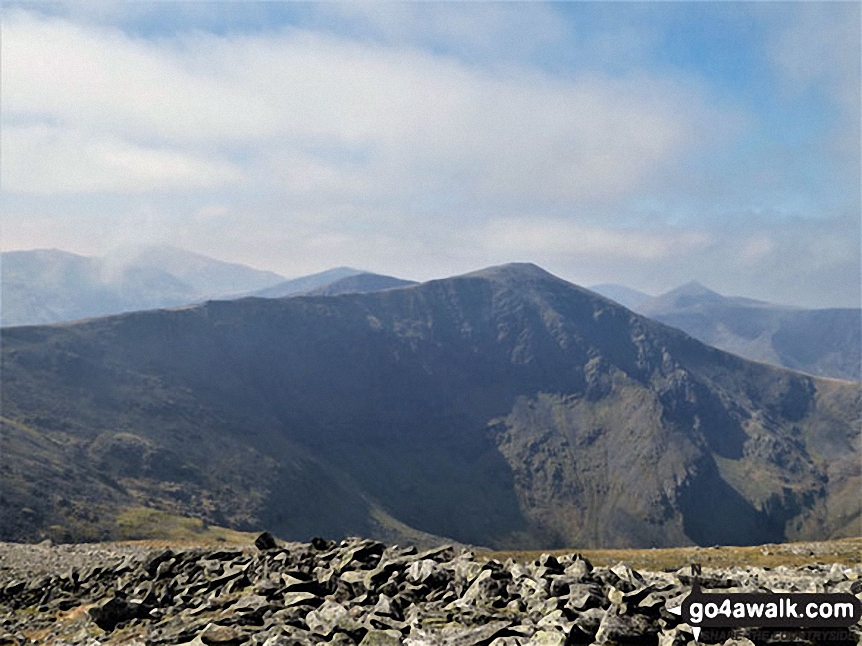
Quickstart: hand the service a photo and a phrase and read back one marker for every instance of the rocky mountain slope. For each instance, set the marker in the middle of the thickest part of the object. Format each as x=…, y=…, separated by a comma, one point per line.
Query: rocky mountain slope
x=367, y=593
x=824, y=342
x=505, y=408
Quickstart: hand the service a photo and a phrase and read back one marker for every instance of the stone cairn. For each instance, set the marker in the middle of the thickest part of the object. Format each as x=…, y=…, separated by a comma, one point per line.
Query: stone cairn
x=361, y=592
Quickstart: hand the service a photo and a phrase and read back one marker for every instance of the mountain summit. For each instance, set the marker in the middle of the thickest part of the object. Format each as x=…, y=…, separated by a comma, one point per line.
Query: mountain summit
x=505, y=407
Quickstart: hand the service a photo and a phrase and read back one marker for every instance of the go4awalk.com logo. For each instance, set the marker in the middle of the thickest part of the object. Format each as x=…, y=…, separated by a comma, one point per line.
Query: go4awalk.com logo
x=780, y=610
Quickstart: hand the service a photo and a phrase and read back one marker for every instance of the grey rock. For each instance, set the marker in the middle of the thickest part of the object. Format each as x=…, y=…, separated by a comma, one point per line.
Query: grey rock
x=548, y=638
x=473, y=636
x=215, y=635
x=265, y=541
x=625, y=629
x=115, y=611
x=382, y=638
x=362, y=592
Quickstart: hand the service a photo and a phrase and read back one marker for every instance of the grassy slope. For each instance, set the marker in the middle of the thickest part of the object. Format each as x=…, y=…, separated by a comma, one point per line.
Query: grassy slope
x=847, y=551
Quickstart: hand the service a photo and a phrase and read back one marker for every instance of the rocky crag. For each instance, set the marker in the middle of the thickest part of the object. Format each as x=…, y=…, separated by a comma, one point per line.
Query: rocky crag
x=364, y=592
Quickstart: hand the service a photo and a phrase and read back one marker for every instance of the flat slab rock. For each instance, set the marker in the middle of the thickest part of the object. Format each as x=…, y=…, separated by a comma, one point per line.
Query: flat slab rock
x=364, y=593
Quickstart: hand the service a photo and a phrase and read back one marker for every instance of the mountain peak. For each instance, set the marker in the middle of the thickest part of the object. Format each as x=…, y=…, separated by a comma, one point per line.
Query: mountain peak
x=513, y=271
x=689, y=295
x=693, y=288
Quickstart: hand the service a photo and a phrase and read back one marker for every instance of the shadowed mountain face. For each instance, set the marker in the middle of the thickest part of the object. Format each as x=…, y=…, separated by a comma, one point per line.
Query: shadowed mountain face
x=505, y=408
x=48, y=286
x=823, y=342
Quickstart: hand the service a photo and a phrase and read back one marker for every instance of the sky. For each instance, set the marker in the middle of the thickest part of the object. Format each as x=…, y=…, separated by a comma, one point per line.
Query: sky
x=641, y=143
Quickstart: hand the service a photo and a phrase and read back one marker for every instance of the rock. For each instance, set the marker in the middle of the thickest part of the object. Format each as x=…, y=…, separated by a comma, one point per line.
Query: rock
x=625, y=629
x=214, y=635
x=579, y=568
x=625, y=573
x=382, y=638
x=301, y=599
x=586, y=625
x=421, y=571
x=156, y=559
x=321, y=544
x=360, y=592
x=473, y=636
x=329, y=616
x=550, y=562
x=547, y=638
x=116, y=611
x=265, y=541
x=583, y=596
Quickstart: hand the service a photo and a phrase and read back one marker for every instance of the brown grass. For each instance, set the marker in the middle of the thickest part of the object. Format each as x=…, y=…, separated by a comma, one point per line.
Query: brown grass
x=847, y=551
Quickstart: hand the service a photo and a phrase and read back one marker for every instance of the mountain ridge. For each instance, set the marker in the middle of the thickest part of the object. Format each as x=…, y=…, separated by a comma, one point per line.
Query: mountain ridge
x=506, y=407
x=302, y=284
x=825, y=342
x=42, y=286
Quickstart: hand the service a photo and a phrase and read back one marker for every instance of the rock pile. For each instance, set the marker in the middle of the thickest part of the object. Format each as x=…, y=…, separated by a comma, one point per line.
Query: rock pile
x=361, y=592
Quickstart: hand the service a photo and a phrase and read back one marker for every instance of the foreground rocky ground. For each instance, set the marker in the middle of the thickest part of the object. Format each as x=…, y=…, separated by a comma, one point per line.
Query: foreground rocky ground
x=364, y=592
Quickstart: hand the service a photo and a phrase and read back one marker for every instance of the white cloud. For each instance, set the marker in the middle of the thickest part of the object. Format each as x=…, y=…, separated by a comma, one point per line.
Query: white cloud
x=505, y=30
x=44, y=160
x=820, y=45
x=418, y=142
x=549, y=238
x=756, y=248
x=416, y=120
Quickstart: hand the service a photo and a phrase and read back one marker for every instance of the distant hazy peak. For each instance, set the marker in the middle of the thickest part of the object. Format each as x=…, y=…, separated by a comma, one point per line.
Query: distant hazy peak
x=170, y=257
x=306, y=284
x=693, y=288
x=691, y=294
x=49, y=285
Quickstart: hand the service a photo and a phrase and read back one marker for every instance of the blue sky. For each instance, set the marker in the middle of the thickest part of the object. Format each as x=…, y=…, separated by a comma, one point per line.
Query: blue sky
x=643, y=143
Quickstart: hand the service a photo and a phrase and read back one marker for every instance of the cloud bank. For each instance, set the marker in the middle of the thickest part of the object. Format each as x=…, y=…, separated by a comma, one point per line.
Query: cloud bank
x=419, y=142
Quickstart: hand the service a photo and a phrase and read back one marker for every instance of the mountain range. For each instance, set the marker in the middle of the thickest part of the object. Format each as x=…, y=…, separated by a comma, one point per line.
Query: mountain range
x=506, y=408
x=823, y=342
x=51, y=286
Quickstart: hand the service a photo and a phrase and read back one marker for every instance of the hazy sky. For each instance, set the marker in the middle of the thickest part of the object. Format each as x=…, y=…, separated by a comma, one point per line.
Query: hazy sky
x=643, y=143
